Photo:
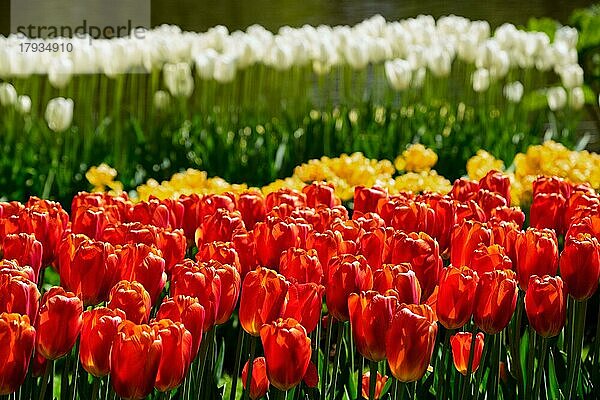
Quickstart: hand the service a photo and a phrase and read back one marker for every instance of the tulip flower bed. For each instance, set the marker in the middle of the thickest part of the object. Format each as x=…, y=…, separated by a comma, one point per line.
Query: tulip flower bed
x=292, y=295
x=251, y=105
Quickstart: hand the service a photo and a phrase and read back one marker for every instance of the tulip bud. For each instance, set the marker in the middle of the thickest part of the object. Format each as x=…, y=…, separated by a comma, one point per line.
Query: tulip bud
x=59, y=114
x=259, y=384
x=461, y=349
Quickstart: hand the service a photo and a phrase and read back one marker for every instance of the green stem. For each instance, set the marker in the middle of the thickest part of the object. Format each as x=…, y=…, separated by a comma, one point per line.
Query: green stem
x=324, y=370
x=579, y=327
x=530, y=362
x=400, y=391
x=540, y=368
x=372, y=379
x=45, y=379
x=493, y=381
x=359, y=382
x=236, y=367
x=336, y=359
x=596, y=363
x=95, y=388
x=515, y=346
x=253, y=341
x=444, y=371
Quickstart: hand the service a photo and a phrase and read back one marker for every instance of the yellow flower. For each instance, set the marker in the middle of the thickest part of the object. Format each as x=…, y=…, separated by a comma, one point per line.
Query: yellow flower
x=482, y=163
x=416, y=158
x=101, y=176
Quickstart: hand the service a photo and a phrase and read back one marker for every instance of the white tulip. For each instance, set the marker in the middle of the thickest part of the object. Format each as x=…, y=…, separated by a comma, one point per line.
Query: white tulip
x=178, y=79
x=418, y=77
x=8, y=94
x=161, y=100
x=439, y=62
x=557, y=98
x=205, y=63
x=60, y=72
x=59, y=114
x=571, y=75
x=356, y=53
x=225, y=68
x=398, y=73
x=566, y=35
x=23, y=105
x=576, y=98
x=513, y=91
x=481, y=80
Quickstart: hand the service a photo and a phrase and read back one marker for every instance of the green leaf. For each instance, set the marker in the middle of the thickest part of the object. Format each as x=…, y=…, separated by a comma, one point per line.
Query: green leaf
x=552, y=386
x=523, y=353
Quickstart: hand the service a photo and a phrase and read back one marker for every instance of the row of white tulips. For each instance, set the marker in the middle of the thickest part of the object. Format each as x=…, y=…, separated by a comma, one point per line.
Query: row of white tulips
x=411, y=45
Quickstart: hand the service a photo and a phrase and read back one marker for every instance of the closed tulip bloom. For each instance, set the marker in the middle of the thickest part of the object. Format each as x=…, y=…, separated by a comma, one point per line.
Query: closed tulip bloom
x=87, y=267
x=134, y=360
x=243, y=243
x=219, y=226
x=91, y=221
x=401, y=279
x=202, y=282
x=132, y=299
x=144, y=264
x=176, y=354
x=455, y=296
x=580, y=266
x=262, y=300
x=379, y=384
x=272, y=237
x=59, y=323
x=410, y=216
x=12, y=268
x=303, y=303
x=445, y=218
x=230, y=291
x=347, y=274
x=18, y=338
x=287, y=352
x=495, y=300
x=370, y=317
x=99, y=329
x=545, y=305
x=251, y=205
x=367, y=199
x=410, y=341
x=301, y=265
x=259, y=384
x=18, y=295
x=373, y=246
x=223, y=252
x=489, y=258
x=326, y=245
x=189, y=312
x=318, y=193
x=48, y=222
x=461, y=349
x=552, y=184
x=172, y=245
x=548, y=211
x=496, y=182
x=465, y=238
x=537, y=254
x=284, y=195
x=25, y=249
x=422, y=252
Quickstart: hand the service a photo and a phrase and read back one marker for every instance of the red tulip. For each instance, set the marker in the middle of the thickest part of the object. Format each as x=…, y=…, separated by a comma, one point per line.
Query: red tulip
x=537, y=254
x=410, y=341
x=401, y=279
x=545, y=305
x=219, y=227
x=285, y=196
x=59, y=323
x=230, y=290
x=461, y=349
x=98, y=331
x=374, y=247
x=495, y=300
x=92, y=220
x=489, y=258
x=144, y=264
x=580, y=266
x=12, y=268
x=347, y=274
x=223, y=252
x=423, y=254
x=496, y=182
x=251, y=205
x=243, y=243
x=172, y=245
x=455, y=296
x=18, y=295
x=176, y=355
x=379, y=384
x=370, y=318
x=18, y=337
x=408, y=216
x=87, y=267
x=25, y=249
x=545, y=184
x=490, y=201
x=548, y=211
x=287, y=352
x=189, y=312
x=190, y=220
x=508, y=214
x=262, y=300
x=466, y=237
x=303, y=303
x=259, y=384
x=445, y=217
x=201, y=281
x=301, y=265
x=367, y=199
x=132, y=299
x=210, y=203
x=134, y=360
x=320, y=193
x=48, y=221
x=272, y=237
x=464, y=189
x=326, y=245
